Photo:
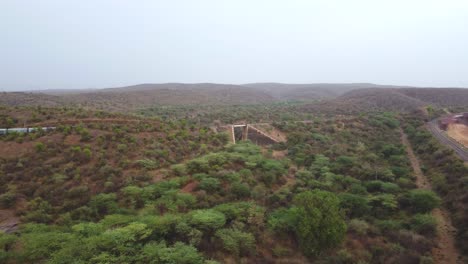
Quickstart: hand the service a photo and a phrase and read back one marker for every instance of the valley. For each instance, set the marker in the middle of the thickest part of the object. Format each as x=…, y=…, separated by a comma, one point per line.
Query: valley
x=249, y=181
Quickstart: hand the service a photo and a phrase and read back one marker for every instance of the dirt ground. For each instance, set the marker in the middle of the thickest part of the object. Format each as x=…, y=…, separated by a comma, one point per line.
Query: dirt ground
x=12, y=149
x=190, y=187
x=280, y=154
x=8, y=221
x=459, y=132
x=445, y=252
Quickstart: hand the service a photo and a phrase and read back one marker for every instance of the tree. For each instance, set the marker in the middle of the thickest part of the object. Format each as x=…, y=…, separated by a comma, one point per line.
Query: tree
x=209, y=184
x=423, y=201
x=178, y=253
x=7, y=242
x=424, y=224
x=235, y=241
x=240, y=190
x=40, y=241
x=103, y=204
x=320, y=223
x=208, y=219
x=133, y=196
x=383, y=204
x=355, y=205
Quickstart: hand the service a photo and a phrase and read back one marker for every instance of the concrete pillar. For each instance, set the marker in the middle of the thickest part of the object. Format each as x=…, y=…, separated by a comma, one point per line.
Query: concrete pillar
x=233, y=135
x=245, y=132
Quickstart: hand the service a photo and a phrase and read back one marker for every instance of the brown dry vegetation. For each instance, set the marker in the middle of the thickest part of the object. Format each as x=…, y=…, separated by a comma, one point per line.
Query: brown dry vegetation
x=101, y=177
x=392, y=99
x=341, y=97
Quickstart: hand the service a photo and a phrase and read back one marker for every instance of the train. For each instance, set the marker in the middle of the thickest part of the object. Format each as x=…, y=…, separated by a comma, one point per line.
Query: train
x=4, y=131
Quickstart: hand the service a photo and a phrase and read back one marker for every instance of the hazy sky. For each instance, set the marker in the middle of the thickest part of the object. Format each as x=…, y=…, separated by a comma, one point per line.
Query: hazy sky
x=106, y=43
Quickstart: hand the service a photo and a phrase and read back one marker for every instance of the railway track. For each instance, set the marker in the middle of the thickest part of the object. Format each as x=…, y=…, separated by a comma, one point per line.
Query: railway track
x=461, y=151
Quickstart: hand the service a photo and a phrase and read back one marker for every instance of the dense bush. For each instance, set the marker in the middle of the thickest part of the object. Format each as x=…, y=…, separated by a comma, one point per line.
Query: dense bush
x=422, y=201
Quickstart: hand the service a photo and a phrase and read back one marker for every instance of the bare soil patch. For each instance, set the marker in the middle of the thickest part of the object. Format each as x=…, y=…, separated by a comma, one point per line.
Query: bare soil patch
x=72, y=140
x=279, y=154
x=13, y=149
x=189, y=187
x=459, y=132
x=8, y=221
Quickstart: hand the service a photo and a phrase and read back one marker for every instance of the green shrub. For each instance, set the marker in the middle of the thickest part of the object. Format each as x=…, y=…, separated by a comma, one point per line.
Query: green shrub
x=207, y=219
x=148, y=164
x=389, y=225
x=240, y=190
x=424, y=224
x=87, y=154
x=423, y=201
x=359, y=226
x=8, y=199
x=178, y=253
x=103, y=204
x=354, y=205
x=209, y=184
x=7, y=242
x=320, y=223
x=179, y=169
x=236, y=242
x=283, y=219
x=39, y=147
x=389, y=187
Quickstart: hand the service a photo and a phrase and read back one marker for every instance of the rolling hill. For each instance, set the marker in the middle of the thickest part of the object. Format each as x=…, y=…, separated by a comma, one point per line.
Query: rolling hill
x=355, y=97
x=29, y=99
x=392, y=99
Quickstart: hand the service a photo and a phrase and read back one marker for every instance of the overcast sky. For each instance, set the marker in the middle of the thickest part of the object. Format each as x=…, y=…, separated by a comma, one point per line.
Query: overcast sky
x=106, y=43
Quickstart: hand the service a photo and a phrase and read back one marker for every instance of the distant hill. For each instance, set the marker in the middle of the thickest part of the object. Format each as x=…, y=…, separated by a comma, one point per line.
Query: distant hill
x=377, y=99
x=392, y=99
x=333, y=97
x=301, y=92
x=440, y=97
x=147, y=95
x=29, y=99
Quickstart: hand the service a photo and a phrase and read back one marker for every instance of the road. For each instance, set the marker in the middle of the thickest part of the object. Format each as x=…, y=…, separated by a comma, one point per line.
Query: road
x=461, y=151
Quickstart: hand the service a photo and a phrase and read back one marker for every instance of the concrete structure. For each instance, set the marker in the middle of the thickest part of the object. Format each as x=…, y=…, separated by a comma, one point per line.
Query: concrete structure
x=241, y=132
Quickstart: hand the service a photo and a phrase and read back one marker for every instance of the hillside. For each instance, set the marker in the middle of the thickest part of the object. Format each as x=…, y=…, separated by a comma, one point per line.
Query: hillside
x=330, y=98
x=304, y=92
x=447, y=97
x=376, y=99
x=391, y=99
x=107, y=187
x=142, y=96
x=149, y=95
x=29, y=99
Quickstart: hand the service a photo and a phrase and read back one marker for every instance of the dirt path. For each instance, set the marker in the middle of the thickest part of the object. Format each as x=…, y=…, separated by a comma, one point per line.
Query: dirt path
x=445, y=252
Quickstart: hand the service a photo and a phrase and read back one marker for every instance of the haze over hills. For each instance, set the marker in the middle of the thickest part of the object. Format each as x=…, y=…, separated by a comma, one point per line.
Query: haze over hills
x=29, y=99
x=341, y=97
x=312, y=91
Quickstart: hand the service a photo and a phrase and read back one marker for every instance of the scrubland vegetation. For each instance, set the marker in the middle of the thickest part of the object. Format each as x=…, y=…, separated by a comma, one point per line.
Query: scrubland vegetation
x=106, y=190
x=448, y=174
